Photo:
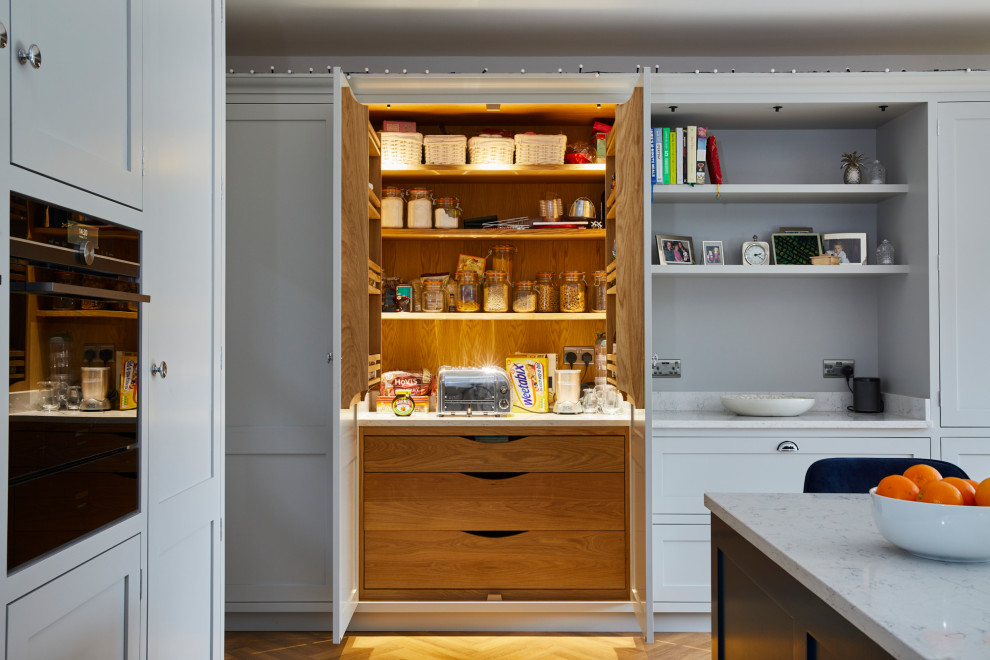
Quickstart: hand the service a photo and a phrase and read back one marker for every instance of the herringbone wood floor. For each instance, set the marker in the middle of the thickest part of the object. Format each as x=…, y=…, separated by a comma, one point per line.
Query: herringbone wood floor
x=460, y=646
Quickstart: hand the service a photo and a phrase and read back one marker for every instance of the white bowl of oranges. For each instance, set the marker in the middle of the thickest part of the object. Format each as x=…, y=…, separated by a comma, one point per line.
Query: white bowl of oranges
x=935, y=518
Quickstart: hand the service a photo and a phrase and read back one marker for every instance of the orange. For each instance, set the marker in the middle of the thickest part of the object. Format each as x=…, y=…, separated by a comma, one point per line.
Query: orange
x=983, y=493
x=973, y=482
x=921, y=474
x=898, y=487
x=940, y=492
x=965, y=488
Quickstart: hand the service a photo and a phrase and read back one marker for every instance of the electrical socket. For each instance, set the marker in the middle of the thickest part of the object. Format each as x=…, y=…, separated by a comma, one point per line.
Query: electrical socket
x=579, y=353
x=666, y=367
x=833, y=368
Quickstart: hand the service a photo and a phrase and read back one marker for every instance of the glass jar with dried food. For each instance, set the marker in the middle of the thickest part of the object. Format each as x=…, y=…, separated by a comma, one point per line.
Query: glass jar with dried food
x=523, y=297
x=468, y=298
x=420, y=209
x=547, y=293
x=599, y=289
x=496, y=291
x=501, y=259
x=434, y=296
x=392, y=203
x=447, y=214
x=572, y=291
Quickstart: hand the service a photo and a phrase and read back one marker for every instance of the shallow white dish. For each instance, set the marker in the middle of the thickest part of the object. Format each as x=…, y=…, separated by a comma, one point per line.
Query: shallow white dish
x=767, y=405
x=934, y=531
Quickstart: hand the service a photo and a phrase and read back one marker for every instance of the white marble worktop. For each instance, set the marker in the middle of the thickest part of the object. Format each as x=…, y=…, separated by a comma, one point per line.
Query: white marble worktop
x=431, y=419
x=912, y=607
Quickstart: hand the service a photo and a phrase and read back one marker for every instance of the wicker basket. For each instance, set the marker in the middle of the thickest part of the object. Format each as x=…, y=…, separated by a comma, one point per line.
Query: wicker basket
x=402, y=148
x=825, y=260
x=487, y=150
x=445, y=149
x=540, y=149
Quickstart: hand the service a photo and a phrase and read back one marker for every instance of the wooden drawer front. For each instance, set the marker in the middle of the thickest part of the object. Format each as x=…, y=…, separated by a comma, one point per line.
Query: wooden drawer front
x=449, y=453
x=461, y=560
x=455, y=501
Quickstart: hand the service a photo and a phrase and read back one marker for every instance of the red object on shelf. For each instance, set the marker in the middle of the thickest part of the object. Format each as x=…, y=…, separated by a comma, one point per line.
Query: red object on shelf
x=711, y=155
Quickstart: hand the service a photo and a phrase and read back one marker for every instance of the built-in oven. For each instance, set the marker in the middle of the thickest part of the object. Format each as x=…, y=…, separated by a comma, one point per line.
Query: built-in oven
x=73, y=432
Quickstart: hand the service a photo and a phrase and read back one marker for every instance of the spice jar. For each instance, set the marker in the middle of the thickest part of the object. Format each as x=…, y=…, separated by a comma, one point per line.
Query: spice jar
x=547, y=293
x=468, y=298
x=523, y=297
x=501, y=256
x=496, y=291
x=599, y=292
x=572, y=291
x=434, y=296
x=392, y=203
x=420, y=209
x=447, y=214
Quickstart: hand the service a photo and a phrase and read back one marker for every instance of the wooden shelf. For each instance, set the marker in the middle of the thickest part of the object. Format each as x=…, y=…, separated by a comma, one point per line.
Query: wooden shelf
x=491, y=316
x=778, y=271
x=494, y=173
x=86, y=313
x=487, y=234
x=822, y=193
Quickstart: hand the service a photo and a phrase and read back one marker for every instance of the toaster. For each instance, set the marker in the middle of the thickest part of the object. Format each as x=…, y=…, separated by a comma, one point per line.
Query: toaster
x=473, y=391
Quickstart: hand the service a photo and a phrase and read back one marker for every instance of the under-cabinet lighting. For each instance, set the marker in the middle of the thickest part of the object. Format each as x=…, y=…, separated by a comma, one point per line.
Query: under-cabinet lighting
x=493, y=107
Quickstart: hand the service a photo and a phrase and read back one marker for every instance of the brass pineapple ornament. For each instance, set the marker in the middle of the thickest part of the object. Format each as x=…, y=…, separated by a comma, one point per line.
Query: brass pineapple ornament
x=853, y=164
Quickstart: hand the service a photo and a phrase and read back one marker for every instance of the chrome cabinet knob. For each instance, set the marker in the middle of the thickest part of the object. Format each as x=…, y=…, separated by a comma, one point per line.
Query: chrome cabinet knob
x=160, y=369
x=787, y=445
x=3, y=35
x=33, y=55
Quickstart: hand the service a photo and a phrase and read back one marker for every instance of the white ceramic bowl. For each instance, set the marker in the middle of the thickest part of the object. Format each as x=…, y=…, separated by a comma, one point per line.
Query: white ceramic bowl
x=934, y=531
x=767, y=405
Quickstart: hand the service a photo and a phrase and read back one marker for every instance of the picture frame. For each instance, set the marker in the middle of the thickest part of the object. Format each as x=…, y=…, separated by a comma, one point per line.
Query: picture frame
x=849, y=247
x=712, y=253
x=669, y=247
x=795, y=249
x=796, y=230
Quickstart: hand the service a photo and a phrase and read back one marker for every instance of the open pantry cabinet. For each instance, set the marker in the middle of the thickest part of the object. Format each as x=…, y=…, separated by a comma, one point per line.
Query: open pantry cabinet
x=370, y=341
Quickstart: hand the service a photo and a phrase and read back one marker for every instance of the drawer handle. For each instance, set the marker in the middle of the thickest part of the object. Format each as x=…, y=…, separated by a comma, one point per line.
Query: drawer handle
x=494, y=439
x=787, y=445
x=495, y=534
x=493, y=476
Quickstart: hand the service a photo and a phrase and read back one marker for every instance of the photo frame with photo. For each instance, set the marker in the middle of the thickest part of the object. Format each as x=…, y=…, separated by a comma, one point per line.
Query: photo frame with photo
x=712, y=253
x=675, y=250
x=796, y=249
x=850, y=248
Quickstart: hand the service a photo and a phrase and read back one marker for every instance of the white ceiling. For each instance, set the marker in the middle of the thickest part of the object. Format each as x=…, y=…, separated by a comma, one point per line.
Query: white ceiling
x=661, y=28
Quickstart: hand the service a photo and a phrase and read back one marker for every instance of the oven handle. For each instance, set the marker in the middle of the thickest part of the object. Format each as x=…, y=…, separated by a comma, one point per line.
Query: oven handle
x=62, y=467
x=62, y=289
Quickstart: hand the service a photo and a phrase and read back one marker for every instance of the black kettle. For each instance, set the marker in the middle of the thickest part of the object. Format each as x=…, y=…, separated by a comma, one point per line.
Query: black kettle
x=866, y=395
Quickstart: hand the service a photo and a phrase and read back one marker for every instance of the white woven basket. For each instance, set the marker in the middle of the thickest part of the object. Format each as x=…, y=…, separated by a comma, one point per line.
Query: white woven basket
x=540, y=149
x=402, y=148
x=445, y=149
x=490, y=150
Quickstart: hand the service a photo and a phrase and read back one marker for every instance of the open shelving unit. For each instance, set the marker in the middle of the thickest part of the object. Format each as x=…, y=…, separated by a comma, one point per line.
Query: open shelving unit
x=849, y=270
x=799, y=193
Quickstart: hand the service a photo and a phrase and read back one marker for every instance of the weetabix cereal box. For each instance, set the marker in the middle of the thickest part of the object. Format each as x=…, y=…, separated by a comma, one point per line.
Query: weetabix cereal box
x=528, y=375
x=128, y=380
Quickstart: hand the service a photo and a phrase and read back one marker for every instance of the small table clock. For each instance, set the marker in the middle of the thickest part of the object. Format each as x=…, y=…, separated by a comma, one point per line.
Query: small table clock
x=755, y=253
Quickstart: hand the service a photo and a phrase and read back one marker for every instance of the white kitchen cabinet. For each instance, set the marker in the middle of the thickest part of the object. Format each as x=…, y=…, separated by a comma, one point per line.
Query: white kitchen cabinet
x=76, y=110
x=964, y=321
x=279, y=326
x=971, y=454
x=90, y=613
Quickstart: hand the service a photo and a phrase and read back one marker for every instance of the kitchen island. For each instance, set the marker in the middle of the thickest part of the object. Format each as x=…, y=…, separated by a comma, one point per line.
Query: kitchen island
x=809, y=576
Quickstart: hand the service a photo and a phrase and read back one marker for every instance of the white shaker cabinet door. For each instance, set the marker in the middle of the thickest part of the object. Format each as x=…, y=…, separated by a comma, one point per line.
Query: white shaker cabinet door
x=76, y=107
x=963, y=226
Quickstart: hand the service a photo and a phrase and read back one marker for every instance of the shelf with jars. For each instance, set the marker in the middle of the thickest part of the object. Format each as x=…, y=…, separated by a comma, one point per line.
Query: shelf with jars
x=494, y=173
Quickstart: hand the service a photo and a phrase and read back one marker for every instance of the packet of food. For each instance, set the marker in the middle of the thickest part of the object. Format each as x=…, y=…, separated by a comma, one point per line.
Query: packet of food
x=528, y=375
x=128, y=379
x=468, y=262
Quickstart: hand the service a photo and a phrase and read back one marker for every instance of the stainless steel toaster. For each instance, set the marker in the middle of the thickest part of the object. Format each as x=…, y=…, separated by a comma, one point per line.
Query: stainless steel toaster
x=473, y=391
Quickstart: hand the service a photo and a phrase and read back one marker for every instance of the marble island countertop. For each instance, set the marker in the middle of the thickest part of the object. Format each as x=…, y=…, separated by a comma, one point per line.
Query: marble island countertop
x=912, y=607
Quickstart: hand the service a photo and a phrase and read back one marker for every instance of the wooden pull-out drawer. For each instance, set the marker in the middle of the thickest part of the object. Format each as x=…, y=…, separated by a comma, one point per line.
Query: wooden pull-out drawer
x=464, y=560
x=490, y=501
x=449, y=453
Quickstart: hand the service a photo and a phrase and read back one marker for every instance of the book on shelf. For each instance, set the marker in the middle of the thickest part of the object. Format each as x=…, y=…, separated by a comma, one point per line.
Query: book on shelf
x=679, y=174
x=666, y=156
x=653, y=156
x=714, y=166
x=692, y=153
x=701, y=147
x=673, y=155
x=658, y=153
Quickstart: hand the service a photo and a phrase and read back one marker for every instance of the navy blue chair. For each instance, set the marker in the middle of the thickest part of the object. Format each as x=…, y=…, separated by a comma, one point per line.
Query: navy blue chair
x=858, y=474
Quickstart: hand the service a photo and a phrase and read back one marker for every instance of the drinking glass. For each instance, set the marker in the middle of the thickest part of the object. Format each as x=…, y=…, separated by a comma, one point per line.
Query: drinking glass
x=73, y=397
x=609, y=399
x=47, y=397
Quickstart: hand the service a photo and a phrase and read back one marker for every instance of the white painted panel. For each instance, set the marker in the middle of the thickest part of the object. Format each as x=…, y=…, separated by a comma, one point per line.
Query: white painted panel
x=964, y=222
x=682, y=563
x=971, y=454
x=77, y=118
x=686, y=468
x=90, y=613
x=278, y=527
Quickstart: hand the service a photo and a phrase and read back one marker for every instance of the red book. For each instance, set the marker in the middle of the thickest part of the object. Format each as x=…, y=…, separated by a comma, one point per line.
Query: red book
x=714, y=167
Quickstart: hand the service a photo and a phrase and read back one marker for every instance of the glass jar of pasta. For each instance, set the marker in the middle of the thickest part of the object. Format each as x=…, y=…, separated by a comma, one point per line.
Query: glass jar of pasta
x=572, y=291
x=501, y=259
x=468, y=292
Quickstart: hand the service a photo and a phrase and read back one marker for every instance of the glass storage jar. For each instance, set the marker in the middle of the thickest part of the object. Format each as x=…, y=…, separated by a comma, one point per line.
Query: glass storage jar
x=547, y=294
x=392, y=203
x=572, y=291
x=496, y=291
x=419, y=213
x=447, y=214
x=599, y=292
x=468, y=297
x=501, y=259
x=434, y=296
x=523, y=297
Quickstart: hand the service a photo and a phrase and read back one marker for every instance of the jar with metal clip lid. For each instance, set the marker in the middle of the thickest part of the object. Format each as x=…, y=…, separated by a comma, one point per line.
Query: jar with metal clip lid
x=392, y=203
x=447, y=214
x=501, y=259
x=434, y=296
x=547, y=293
x=523, y=297
x=496, y=291
x=599, y=292
x=468, y=295
x=419, y=214
x=572, y=291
